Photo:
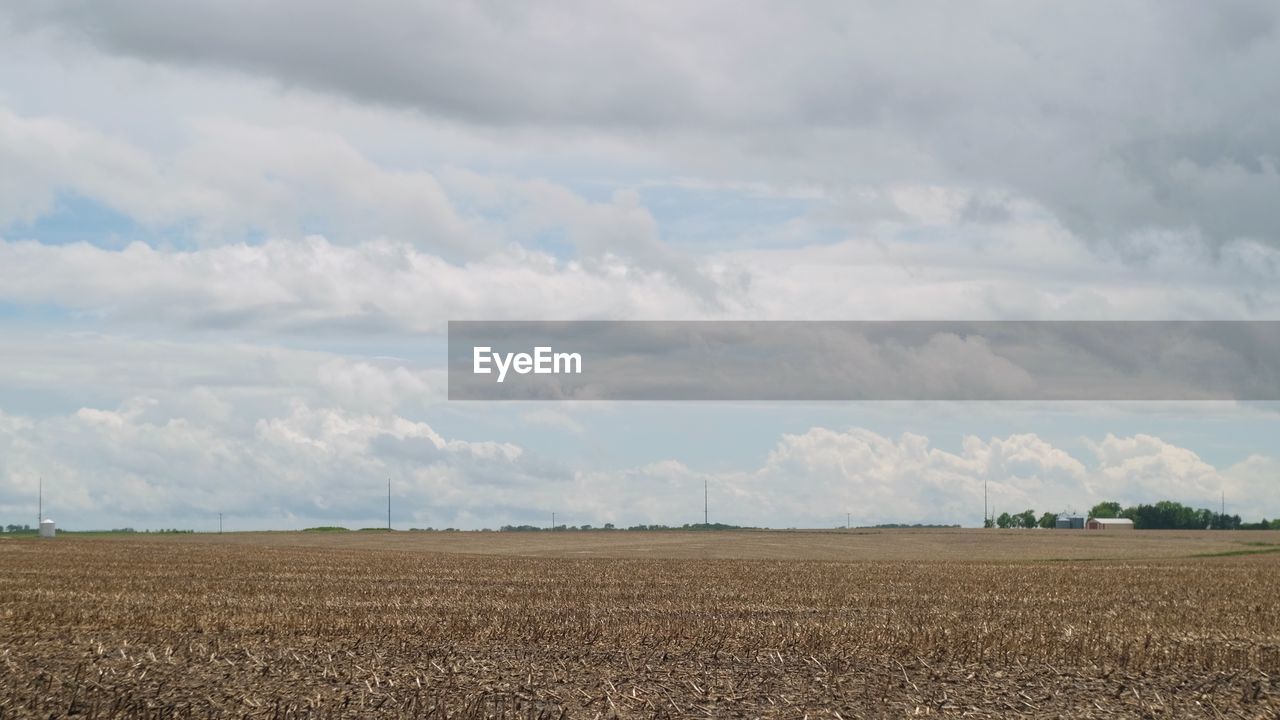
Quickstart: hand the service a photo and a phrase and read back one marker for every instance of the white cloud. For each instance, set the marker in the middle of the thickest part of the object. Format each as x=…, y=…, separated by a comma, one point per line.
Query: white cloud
x=811, y=479
x=313, y=285
x=119, y=467
x=1143, y=466
x=905, y=480
x=232, y=179
x=166, y=458
x=215, y=382
x=1251, y=485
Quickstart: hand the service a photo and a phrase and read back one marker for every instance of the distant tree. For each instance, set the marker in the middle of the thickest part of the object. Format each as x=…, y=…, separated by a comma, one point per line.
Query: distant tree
x=899, y=526
x=1204, y=518
x=1004, y=521
x=609, y=526
x=1049, y=520
x=1108, y=509
x=1026, y=519
x=1170, y=515
x=988, y=523
x=1226, y=522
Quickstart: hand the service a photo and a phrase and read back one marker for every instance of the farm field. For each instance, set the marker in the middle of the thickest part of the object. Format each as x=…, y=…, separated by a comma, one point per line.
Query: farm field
x=893, y=623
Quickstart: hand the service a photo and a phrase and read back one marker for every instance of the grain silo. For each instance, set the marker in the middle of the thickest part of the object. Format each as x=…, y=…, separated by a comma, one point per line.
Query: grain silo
x=1069, y=522
x=47, y=528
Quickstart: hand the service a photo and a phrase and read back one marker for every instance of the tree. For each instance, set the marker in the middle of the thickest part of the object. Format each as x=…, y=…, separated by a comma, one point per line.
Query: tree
x=1026, y=519
x=988, y=523
x=1049, y=520
x=1226, y=522
x=1004, y=521
x=1108, y=509
x=1204, y=518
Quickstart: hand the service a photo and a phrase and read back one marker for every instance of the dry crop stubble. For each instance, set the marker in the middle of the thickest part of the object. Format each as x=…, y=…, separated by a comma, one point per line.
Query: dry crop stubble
x=270, y=626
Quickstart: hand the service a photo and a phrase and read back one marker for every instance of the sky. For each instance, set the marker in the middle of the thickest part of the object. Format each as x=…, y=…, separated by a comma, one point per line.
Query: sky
x=232, y=234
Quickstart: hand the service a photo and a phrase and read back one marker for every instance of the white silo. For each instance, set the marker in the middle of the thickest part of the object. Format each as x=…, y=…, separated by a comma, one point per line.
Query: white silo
x=47, y=528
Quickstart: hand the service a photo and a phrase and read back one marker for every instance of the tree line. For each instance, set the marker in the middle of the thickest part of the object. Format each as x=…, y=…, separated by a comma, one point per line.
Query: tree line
x=1163, y=515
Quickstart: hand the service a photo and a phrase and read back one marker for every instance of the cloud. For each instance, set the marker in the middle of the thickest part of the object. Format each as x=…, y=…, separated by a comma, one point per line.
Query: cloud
x=314, y=286
x=621, y=226
x=1143, y=466
x=1249, y=485
x=880, y=479
x=169, y=458
x=328, y=175
x=121, y=467
x=1155, y=118
x=811, y=479
x=216, y=381
x=233, y=179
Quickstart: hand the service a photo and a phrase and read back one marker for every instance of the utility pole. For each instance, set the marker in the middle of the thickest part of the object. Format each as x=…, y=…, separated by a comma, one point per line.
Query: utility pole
x=219, y=523
x=706, y=515
x=846, y=520
x=40, y=504
x=553, y=522
x=985, y=516
x=388, y=504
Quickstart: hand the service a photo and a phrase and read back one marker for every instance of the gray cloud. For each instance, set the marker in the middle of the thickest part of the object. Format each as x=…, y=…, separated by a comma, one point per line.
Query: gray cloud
x=1157, y=115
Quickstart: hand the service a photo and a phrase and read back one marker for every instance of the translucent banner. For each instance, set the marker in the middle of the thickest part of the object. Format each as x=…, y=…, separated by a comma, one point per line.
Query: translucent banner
x=808, y=361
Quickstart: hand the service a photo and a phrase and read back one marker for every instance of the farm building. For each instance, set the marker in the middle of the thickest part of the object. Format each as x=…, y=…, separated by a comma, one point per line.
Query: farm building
x=1069, y=522
x=1110, y=524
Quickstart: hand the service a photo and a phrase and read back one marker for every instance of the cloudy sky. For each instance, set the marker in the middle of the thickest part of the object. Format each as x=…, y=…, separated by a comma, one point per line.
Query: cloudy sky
x=231, y=235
